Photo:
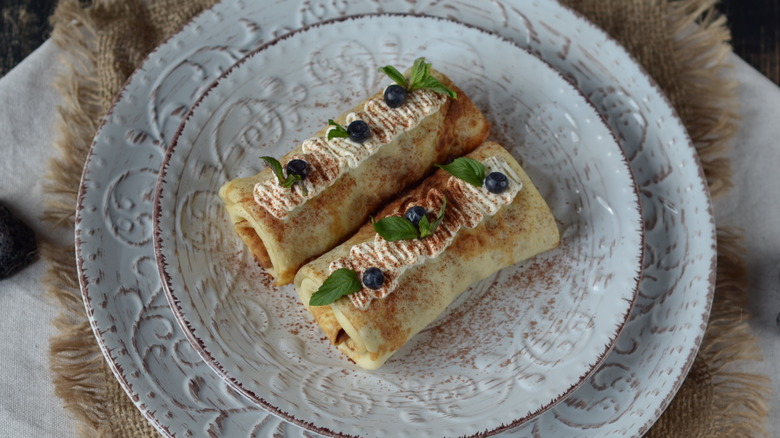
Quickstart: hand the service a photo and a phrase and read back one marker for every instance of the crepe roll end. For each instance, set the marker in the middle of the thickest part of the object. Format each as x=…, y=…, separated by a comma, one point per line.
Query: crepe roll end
x=245, y=226
x=337, y=327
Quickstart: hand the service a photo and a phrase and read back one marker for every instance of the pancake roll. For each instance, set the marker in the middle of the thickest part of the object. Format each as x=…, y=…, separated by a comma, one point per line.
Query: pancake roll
x=479, y=233
x=285, y=227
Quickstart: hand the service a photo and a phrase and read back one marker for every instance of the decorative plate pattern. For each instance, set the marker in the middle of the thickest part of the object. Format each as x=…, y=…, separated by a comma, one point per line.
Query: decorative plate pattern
x=537, y=329
x=152, y=358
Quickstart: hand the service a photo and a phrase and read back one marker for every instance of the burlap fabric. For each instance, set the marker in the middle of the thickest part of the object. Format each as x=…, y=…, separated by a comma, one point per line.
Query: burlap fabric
x=682, y=44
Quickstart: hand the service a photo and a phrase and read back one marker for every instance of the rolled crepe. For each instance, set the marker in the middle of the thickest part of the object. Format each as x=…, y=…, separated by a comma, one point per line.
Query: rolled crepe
x=369, y=326
x=282, y=241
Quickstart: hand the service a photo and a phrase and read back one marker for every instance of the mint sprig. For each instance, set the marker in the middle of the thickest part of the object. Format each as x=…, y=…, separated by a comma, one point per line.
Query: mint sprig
x=340, y=283
x=419, y=78
x=395, y=75
x=284, y=181
x=393, y=228
x=426, y=227
x=467, y=169
x=337, y=132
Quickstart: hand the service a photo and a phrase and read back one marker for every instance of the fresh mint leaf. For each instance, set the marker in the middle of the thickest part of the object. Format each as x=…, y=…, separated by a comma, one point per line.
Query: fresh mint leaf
x=288, y=181
x=442, y=211
x=419, y=78
x=340, y=283
x=395, y=75
x=394, y=228
x=426, y=227
x=337, y=132
x=291, y=180
x=276, y=167
x=420, y=70
x=467, y=169
x=435, y=85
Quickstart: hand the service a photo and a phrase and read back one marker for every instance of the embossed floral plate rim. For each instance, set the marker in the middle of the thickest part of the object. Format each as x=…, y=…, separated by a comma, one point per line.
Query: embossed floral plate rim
x=192, y=257
x=179, y=394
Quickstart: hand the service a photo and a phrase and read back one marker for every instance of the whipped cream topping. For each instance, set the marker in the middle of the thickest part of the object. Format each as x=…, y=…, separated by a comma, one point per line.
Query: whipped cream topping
x=329, y=159
x=467, y=206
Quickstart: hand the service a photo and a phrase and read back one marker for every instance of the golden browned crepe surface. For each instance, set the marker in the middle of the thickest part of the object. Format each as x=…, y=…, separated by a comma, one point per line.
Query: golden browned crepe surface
x=519, y=230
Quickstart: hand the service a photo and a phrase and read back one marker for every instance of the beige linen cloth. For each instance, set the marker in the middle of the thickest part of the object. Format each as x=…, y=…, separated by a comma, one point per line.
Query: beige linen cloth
x=682, y=44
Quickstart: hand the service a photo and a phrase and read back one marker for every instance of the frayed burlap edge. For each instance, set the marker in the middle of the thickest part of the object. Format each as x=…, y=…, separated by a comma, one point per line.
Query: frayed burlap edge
x=699, y=92
x=81, y=376
x=704, y=98
x=736, y=404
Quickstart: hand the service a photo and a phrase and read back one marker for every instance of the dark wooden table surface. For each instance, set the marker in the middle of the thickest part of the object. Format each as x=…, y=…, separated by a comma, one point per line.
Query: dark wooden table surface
x=755, y=33
x=755, y=27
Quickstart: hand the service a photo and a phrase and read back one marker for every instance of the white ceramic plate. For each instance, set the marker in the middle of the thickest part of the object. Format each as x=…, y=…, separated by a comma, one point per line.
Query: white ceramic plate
x=180, y=394
x=537, y=329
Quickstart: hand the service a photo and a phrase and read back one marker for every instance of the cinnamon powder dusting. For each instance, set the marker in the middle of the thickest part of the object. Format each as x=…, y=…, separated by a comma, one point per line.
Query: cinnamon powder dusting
x=467, y=207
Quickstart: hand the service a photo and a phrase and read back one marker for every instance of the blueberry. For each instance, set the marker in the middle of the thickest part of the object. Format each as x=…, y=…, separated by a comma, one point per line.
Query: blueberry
x=373, y=278
x=17, y=244
x=358, y=131
x=395, y=95
x=496, y=182
x=414, y=214
x=297, y=167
